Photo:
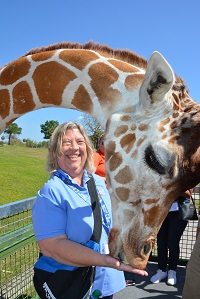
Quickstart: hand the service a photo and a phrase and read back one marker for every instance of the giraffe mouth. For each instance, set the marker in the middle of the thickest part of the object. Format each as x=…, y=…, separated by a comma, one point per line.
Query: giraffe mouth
x=139, y=259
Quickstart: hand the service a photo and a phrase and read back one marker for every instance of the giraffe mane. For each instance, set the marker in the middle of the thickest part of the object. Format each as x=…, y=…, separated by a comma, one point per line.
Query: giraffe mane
x=124, y=55
x=121, y=54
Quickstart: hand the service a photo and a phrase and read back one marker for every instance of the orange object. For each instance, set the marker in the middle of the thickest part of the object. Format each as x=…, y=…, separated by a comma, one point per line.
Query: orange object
x=99, y=163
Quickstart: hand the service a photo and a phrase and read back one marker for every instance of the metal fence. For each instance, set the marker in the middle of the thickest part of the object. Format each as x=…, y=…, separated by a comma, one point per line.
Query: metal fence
x=189, y=235
x=19, y=251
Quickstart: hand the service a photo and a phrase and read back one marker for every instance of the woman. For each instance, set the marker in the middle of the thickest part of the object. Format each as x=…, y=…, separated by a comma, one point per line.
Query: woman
x=62, y=215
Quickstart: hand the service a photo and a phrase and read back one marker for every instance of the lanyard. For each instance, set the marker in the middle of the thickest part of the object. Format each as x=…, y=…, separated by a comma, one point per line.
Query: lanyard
x=106, y=220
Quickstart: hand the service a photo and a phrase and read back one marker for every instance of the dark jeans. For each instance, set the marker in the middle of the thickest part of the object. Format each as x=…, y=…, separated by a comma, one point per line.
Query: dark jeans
x=168, y=239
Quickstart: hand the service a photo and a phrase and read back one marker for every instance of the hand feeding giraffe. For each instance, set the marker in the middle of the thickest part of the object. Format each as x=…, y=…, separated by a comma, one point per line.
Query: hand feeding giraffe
x=152, y=149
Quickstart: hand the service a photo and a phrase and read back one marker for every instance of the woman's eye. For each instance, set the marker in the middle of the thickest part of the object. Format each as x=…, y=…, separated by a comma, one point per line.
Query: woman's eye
x=67, y=142
x=81, y=142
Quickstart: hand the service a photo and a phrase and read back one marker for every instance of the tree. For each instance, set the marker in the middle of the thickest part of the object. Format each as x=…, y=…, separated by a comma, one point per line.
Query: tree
x=48, y=127
x=93, y=128
x=12, y=130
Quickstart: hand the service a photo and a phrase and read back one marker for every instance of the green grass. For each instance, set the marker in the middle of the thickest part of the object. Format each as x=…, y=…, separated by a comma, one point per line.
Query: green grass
x=22, y=172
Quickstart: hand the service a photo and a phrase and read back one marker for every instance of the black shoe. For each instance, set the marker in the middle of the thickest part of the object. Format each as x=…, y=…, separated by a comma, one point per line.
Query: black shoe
x=130, y=282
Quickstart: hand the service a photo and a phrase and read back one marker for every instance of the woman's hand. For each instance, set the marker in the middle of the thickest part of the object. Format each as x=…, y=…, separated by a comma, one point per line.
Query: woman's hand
x=118, y=265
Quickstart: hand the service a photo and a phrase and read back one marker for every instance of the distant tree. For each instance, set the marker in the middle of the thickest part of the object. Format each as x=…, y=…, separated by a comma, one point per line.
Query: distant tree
x=16, y=141
x=48, y=127
x=93, y=128
x=2, y=137
x=12, y=131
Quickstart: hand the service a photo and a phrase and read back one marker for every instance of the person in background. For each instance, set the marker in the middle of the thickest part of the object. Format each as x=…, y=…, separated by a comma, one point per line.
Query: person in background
x=99, y=158
x=62, y=215
x=168, y=238
x=191, y=288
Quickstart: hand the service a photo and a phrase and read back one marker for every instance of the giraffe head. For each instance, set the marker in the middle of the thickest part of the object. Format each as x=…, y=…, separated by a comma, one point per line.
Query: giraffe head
x=152, y=128
x=152, y=156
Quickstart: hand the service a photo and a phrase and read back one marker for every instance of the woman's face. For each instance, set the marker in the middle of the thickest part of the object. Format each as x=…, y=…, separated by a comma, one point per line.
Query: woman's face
x=74, y=153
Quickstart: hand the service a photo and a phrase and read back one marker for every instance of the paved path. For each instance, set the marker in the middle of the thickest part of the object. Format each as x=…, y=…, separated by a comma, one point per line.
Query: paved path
x=145, y=289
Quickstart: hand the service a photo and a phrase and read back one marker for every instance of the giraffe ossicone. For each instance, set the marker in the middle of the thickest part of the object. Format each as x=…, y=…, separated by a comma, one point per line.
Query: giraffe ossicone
x=152, y=127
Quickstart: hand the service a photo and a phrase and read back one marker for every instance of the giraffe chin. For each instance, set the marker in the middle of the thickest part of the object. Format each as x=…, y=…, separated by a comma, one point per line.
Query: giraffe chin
x=138, y=263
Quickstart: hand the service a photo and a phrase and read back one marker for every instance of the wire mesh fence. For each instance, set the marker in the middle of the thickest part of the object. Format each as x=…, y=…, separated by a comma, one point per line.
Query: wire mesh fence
x=189, y=235
x=19, y=250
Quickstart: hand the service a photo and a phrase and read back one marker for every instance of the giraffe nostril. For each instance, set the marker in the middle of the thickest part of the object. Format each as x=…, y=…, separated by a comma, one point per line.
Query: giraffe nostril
x=146, y=248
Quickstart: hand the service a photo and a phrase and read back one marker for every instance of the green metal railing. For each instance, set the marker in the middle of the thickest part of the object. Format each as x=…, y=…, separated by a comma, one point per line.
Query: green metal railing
x=19, y=250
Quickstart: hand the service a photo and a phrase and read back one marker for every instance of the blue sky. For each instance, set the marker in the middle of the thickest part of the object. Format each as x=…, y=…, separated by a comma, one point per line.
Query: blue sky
x=143, y=26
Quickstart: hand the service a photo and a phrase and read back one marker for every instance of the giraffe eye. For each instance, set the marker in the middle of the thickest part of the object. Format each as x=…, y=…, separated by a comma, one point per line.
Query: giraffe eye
x=152, y=161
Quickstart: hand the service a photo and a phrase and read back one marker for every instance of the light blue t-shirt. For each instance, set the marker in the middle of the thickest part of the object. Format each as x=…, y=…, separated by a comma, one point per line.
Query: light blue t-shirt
x=63, y=208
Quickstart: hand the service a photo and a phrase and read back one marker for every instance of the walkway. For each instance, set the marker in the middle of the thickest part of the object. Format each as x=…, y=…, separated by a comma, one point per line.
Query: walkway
x=145, y=289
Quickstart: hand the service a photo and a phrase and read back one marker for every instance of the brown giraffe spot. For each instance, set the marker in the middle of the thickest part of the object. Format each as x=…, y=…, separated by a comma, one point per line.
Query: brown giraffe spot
x=135, y=203
x=112, y=240
x=175, y=115
x=163, y=123
x=82, y=100
x=124, y=67
x=115, y=161
x=5, y=103
x=46, y=77
x=134, y=154
x=102, y=76
x=122, y=193
x=141, y=140
x=173, y=139
x=42, y=55
x=132, y=81
x=125, y=118
x=143, y=127
x=120, y=130
x=133, y=127
x=164, y=136
x=176, y=99
x=149, y=201
x=127, y=142
x=14, y=71
x=173, y=132
x=173, y=124
x=124, y=175
x=161, y=129
x=149, y=216
x=110, y=150
x=22, y=98
x=78, y=58
x=183, y=120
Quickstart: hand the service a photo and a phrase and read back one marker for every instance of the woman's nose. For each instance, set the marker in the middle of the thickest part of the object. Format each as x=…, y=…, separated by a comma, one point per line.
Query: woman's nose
x=74, y=145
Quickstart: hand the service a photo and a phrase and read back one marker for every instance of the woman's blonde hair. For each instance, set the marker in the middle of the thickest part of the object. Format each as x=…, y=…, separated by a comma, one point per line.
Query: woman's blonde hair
x=55, y=146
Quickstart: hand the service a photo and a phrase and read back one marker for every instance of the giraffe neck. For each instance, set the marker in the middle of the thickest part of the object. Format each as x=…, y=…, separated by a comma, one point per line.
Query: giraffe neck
x=84, y=80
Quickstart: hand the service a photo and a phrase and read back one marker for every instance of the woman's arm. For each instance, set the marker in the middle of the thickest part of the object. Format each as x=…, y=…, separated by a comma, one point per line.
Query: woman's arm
x=74, y=254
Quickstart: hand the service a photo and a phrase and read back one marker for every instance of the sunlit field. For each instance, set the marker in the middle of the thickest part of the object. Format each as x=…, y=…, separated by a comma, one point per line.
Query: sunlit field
x=22, y=172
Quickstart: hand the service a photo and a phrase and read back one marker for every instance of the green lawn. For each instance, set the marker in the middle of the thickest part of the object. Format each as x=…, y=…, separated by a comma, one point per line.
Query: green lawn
x=22, y=172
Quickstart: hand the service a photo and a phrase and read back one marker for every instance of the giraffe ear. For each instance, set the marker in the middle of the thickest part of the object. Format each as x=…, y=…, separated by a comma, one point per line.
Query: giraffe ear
x=158, y=80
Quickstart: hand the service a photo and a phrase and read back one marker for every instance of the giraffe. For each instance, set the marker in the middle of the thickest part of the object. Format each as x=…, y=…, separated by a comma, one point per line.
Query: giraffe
x=151, y=125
